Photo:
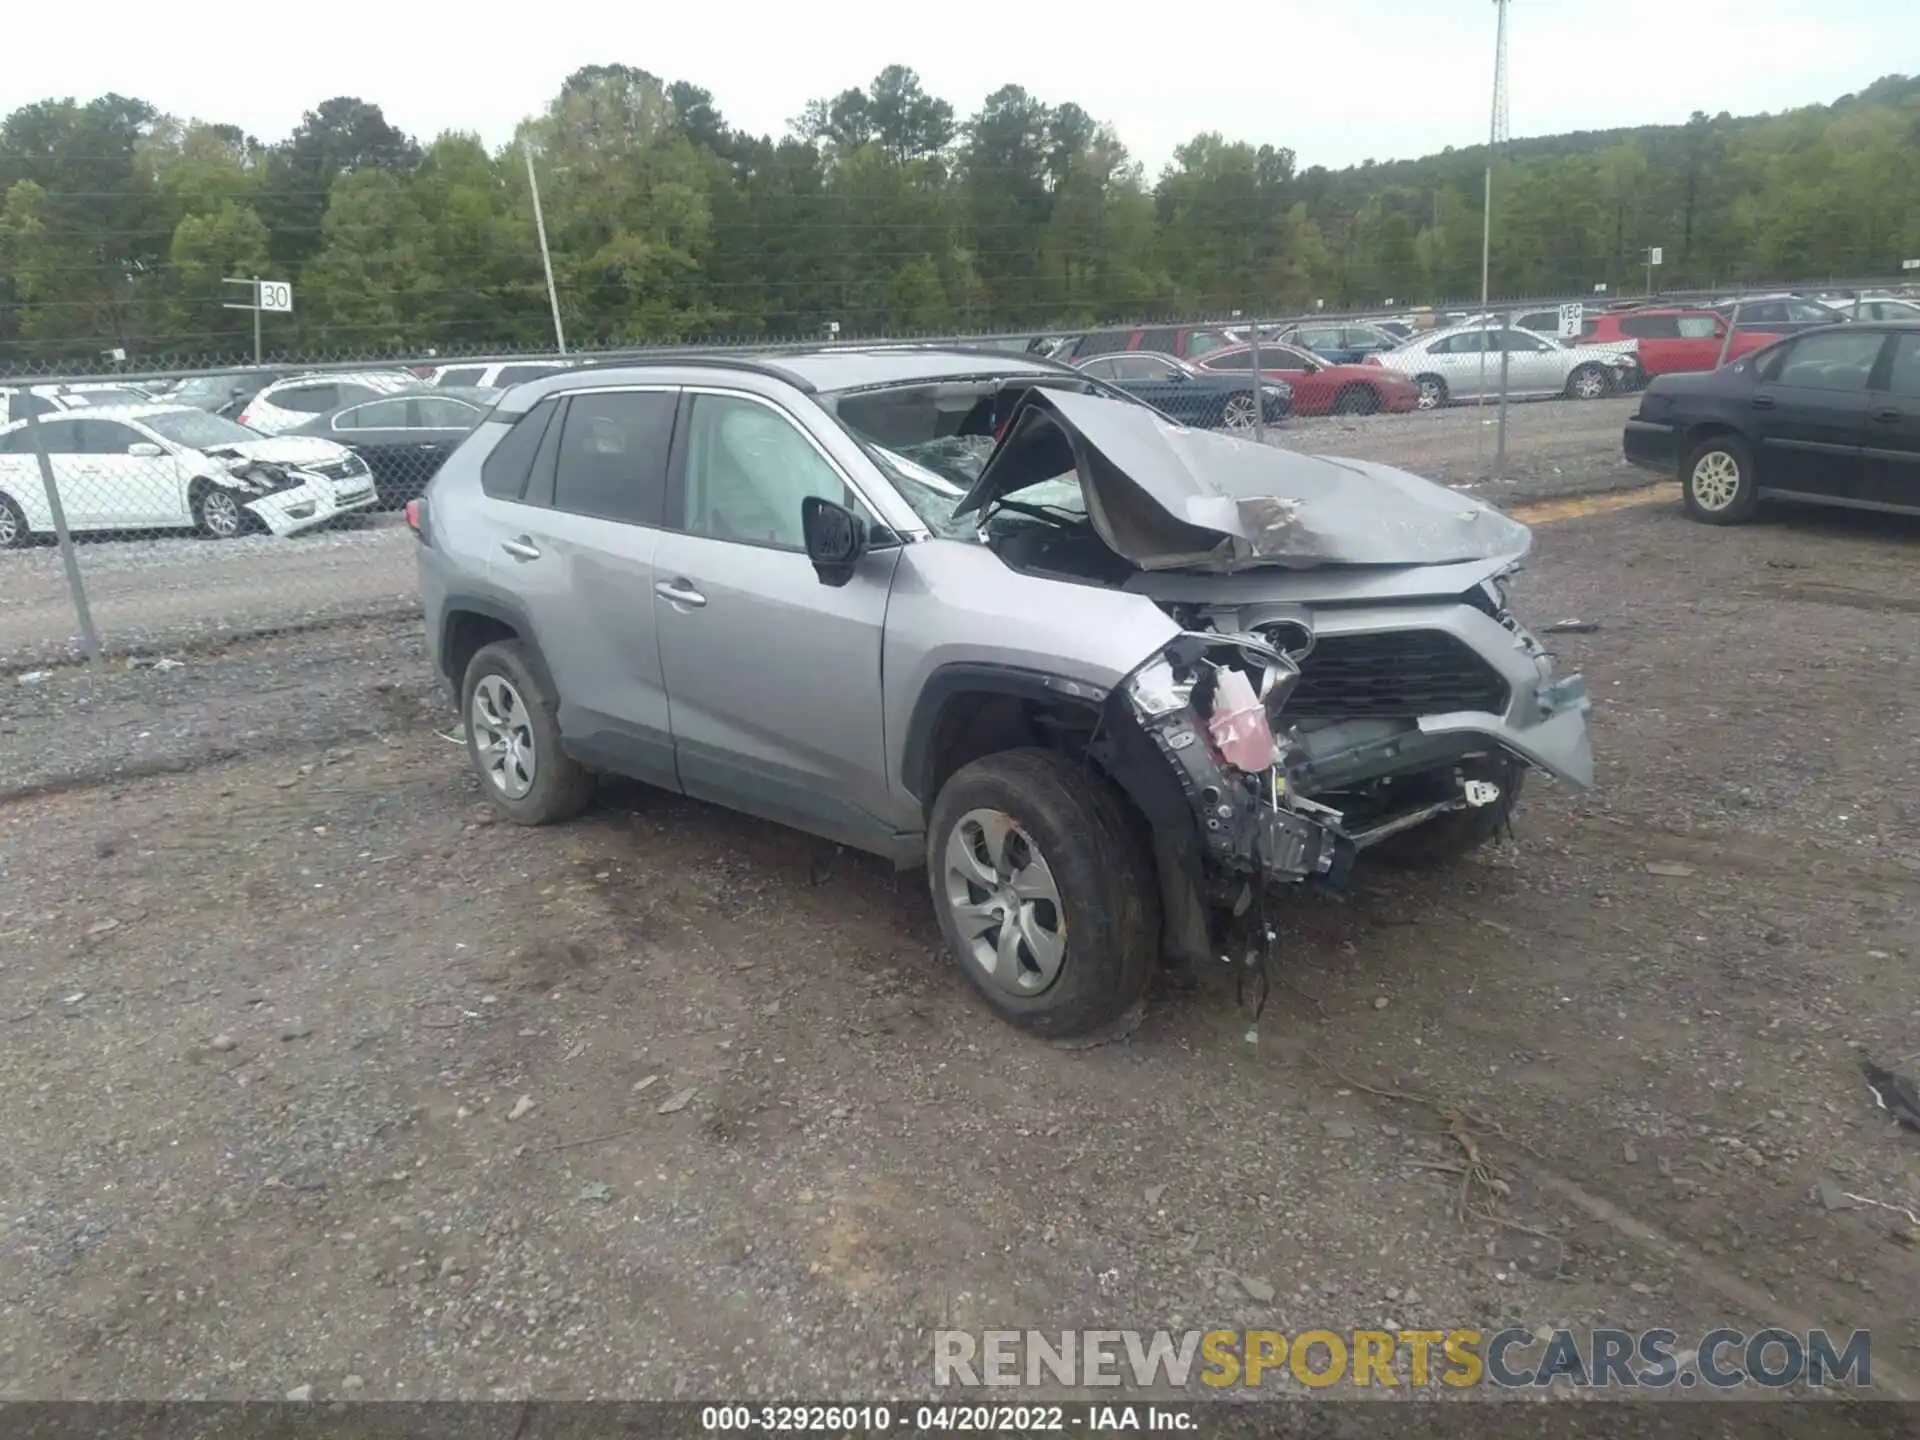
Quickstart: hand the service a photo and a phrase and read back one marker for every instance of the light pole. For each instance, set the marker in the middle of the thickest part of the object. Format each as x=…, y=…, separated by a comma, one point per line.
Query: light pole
x=1496, y=132
x=546, y=259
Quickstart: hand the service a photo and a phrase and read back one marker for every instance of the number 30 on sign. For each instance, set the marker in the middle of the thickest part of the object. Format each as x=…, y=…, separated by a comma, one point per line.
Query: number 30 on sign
x=276, y=295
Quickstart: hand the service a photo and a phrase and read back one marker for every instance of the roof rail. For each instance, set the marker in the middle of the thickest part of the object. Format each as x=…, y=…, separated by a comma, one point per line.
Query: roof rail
x=693, y=361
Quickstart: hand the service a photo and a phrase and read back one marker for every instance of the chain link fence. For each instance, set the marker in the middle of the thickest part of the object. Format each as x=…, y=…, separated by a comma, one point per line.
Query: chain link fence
x=146, y=512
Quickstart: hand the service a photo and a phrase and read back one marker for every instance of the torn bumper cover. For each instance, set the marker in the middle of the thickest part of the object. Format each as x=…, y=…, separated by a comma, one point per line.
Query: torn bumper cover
x=1165, y=497
x=1230, y=768
x=290, y=498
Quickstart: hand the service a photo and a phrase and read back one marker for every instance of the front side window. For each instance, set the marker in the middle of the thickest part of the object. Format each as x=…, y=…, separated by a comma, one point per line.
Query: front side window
x=1204, y=342
x=1904, y=377
x=1697, y=327
x=466, y=375
x=1829, y=362
x=439, y=412
x=748, y=467
x=613, y=455
x=107, y=437
x=379, y=415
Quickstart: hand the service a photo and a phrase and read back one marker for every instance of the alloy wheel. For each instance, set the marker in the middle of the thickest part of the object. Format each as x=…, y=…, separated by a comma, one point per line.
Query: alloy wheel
x=1005, y=903
x=1715, y=481
x=221, y=512
x=503, y=736
x=1429, y=395
x=1239, y=413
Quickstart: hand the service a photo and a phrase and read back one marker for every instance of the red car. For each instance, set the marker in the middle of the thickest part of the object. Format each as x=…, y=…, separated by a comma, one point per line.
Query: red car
x=1673, y=341
x=1320, y=388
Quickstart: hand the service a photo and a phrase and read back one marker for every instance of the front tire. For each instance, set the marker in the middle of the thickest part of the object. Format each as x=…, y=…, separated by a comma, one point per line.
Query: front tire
x=1448, y=838
x=1356, y=400
x=1589, y=382
x=1717, y=482
x=217, y=512
x=513, y=740
x=1048, y=901
x=1433, y=391
x=1237, y=414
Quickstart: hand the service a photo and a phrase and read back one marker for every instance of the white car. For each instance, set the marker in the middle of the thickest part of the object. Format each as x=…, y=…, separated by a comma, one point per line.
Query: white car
x=18, y=402
x=165, y=467
x=288, y=404
x=1454, y=364
x=494, y=375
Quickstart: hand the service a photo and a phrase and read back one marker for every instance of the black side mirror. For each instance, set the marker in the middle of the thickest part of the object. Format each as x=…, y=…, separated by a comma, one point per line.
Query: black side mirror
x=1179, y=377
x=836, y=539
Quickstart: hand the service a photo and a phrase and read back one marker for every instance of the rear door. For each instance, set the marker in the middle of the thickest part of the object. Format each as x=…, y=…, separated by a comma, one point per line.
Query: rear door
x=1891, y=442
x=1810, y=413
x=436, y=424
x=82, y=497
x=773, y=677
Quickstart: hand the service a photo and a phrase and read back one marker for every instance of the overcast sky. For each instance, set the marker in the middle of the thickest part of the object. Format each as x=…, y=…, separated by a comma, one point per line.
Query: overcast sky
x=1338, y=80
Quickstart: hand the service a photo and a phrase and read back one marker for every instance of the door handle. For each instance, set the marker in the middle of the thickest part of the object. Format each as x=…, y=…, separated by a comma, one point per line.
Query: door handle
x=680, y=592
x=1761, y=402
x=521, y=549
x=1887, y=414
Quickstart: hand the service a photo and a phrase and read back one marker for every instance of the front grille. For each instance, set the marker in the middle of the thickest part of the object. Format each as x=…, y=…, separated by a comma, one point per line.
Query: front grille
x=1399, y=674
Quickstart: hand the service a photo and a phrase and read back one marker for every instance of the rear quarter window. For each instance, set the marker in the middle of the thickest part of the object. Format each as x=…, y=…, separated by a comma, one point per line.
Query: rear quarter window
x=470, y=375
x=503, y=474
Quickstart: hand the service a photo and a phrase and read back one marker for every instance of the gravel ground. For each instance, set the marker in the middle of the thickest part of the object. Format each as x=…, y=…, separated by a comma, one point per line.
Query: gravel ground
x=147, y=595
x=315, y=1078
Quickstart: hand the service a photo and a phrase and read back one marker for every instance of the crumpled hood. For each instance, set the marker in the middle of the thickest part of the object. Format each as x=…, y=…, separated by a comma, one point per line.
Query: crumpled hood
x=1165, y=497
x=293, y=451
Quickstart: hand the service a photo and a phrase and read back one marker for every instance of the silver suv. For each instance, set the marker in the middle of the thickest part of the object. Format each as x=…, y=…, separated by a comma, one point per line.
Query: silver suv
x=1106, y=677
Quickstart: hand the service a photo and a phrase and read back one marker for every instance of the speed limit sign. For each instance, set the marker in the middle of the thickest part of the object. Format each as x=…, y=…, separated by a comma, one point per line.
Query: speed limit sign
x=1571, y=318
x=276, y=295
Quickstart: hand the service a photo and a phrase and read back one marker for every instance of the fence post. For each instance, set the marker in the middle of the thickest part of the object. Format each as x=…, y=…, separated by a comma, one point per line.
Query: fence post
x=1506, y=360
x=1259, y=391
x=89, y=637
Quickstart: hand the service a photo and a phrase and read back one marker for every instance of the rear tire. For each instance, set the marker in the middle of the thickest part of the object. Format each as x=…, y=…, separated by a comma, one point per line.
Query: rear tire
x=513, y=740
x=1433, y=391
x=14, y=534
x=1717, y=482
x=1237, y=414
x=1448, y=838
x=1075, y=963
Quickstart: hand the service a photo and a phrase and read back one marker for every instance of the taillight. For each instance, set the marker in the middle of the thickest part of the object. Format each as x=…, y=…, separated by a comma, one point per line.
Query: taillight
x=417, y=520
x=245, y=418
x=1373, y=360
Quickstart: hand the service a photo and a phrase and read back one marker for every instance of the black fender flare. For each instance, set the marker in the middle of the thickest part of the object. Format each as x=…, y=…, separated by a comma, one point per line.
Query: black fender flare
x=972, y=677
x=507, y=613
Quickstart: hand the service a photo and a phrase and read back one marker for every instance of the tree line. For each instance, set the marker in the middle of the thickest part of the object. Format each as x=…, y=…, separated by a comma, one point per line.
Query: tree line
x=882, y=210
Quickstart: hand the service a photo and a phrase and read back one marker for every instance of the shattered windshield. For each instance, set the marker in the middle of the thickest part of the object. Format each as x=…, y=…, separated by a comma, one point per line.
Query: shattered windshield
x=933, y=439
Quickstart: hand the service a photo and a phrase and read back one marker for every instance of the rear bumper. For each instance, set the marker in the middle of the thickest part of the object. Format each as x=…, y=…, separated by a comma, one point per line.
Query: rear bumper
x=1652, y=446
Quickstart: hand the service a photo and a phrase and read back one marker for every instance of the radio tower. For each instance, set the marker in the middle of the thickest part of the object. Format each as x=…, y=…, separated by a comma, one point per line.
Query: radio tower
x=1496, y=136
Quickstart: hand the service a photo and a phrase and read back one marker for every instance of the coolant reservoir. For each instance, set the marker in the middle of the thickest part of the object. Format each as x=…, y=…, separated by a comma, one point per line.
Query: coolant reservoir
x=1238, y=724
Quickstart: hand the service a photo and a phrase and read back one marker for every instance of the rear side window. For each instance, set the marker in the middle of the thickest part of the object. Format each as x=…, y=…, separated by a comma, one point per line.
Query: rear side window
x=313, y=399
x=466, y=375
x=1160, y=340
x=613, y=455
x=1697, y=327
x=1650, y=327
x=1102, y=342
x=503, y=474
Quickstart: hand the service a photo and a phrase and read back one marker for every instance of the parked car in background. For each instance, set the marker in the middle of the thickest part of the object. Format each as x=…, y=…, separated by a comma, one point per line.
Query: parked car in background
x=1347, y=343
x=226, y=393
x=1830, y=416
x=1464, y=362
x=1189, y=342
x=166, y=467
x=492, y=375
x=18, y=402
x=1204, y=398
x=1778, y=314
x=1399, y=329
x=404, y=438
x=288, y=404
x=1873, y=307
x=1321, y=388
x=1673, y=341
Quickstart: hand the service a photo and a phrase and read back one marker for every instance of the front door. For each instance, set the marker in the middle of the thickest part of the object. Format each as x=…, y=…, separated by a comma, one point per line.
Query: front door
x=1809, y=411
x=1890, y=441
x=137, y=491
x=773, y=678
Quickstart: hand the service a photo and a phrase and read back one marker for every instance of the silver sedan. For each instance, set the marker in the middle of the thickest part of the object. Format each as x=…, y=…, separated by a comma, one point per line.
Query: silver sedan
x=1463, y=363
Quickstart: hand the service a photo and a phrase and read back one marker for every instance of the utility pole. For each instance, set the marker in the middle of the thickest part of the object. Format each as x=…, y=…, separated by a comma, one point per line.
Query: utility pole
x=546, y=259
x=1496, y=133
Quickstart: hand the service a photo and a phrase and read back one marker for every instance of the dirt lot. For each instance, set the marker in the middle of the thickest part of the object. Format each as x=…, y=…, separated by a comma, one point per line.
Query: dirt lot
x=314, y=1078
x=153, y=594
